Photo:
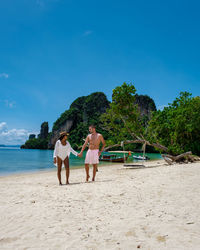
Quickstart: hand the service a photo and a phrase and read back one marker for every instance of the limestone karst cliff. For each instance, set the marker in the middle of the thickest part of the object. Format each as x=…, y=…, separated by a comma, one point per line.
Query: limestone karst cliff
x=83, y=111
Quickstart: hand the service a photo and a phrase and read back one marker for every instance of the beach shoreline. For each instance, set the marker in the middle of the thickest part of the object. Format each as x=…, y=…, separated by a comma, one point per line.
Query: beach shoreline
x=49, y=170
x=151, y=207
x=53, y=168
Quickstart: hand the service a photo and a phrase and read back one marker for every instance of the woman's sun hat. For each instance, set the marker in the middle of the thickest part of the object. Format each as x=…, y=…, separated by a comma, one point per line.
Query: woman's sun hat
x=62, y=134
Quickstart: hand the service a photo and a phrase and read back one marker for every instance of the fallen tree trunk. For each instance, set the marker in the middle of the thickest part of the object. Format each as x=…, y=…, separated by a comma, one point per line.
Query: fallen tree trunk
x=182, y=158
x=167, y=159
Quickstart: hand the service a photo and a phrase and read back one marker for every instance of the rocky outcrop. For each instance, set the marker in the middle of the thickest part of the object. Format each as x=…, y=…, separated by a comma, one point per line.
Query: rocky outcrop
x=145, y=104
x=32, y=136
x=44, y=131
x=83, y=111
x=66, y=126
x=41, y=142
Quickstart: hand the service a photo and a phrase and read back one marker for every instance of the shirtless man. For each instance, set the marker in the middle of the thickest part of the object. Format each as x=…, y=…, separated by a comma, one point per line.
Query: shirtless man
x=93, y=153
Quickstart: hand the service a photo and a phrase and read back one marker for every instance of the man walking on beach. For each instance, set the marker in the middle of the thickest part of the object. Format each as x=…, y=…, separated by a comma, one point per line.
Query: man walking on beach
x=92, y=156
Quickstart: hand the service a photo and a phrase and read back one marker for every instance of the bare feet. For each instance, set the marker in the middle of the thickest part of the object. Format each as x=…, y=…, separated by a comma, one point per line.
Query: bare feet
x=67, y=182
x=60, y=184
x=93, y=179
x=87, y=178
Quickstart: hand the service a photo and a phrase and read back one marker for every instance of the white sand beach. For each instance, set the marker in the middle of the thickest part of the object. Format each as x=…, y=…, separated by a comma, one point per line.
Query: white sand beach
x=156, y=207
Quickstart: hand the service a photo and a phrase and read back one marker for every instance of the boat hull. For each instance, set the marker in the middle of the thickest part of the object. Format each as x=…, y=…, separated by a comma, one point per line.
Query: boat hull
x=120, y=159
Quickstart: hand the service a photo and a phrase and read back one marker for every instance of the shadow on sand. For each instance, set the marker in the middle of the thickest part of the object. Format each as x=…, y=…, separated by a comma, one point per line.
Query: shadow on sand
x=137, y=166
x=84, y=182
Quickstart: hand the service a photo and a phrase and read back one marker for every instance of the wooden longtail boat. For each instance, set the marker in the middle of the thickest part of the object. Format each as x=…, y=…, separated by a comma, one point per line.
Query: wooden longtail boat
x=112, y=158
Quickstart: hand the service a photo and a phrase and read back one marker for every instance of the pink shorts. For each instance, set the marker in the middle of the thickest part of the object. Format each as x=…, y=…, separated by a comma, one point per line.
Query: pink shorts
x=92, y=156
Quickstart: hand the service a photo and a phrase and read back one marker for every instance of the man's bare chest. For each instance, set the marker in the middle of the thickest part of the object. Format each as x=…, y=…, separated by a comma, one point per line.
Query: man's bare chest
x=94, y=139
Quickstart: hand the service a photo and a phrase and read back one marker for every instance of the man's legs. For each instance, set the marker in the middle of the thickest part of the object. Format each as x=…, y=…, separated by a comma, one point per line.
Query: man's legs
x=94, y=171
x=59, y=167
x=87, y=171
x=66, y=162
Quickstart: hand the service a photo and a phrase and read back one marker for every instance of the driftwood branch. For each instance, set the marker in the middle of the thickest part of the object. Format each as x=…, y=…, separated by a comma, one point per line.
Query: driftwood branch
x=158, y=145
x=182, y=158
x=179, y=158
x=168, y=160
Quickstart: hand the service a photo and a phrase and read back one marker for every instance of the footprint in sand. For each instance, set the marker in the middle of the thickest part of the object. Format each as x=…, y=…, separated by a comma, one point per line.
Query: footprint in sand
x=130, y=233
x=8, y=240
x=161, y=238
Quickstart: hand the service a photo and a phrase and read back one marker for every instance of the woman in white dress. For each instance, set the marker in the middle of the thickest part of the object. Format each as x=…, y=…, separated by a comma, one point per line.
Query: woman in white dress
x=61, y=155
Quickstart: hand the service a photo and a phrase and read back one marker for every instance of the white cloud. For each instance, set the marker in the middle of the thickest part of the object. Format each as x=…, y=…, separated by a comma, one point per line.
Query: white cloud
x=12, y=136
x=2, y=126
x=87, y=32
x=4, y=75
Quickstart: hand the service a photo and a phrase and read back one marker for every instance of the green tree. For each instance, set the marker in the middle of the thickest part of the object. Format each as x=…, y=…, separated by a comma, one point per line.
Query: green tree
x=36, y=143
x=178, y=125
x=174, y=130
x=122, y=119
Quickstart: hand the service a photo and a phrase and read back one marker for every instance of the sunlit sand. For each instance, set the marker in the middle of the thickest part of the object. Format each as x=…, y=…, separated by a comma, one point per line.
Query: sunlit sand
x=154, y=207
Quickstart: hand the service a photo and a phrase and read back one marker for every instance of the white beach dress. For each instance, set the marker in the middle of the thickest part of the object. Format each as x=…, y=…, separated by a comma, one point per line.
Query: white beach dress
x=62, y=151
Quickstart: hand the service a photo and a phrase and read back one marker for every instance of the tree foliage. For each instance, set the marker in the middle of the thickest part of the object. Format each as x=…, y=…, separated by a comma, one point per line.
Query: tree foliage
x=178, y=125
x=175, y=129
x=122, y=119
x=36, y=143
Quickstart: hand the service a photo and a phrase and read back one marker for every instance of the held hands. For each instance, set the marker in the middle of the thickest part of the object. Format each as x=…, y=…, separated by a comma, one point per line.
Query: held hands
x=99, y=153
x=54, y=160
x=80, y=155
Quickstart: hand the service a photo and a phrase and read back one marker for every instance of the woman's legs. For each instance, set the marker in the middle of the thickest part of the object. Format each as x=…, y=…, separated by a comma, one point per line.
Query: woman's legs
x=59, y=168
x=66, y=162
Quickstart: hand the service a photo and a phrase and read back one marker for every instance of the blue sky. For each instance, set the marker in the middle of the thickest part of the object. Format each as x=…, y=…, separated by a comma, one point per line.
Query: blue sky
x=53, y=51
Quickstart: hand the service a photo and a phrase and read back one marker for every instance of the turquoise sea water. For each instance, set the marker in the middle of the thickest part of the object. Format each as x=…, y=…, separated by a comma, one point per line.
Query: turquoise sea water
x=16, y=160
